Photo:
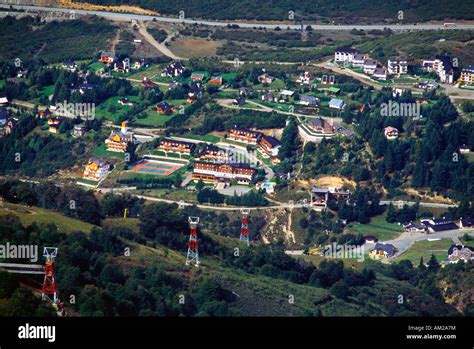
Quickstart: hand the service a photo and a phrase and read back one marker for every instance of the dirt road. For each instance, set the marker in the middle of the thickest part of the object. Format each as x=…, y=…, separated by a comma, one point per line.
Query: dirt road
x=159, y=46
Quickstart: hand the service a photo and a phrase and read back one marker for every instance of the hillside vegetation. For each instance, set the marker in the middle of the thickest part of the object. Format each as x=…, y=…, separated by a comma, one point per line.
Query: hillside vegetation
x=53, y=42
x=137, y=269
x=342, y=10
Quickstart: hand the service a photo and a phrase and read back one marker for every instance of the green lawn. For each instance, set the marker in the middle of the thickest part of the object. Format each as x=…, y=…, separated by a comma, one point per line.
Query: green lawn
x=103, y=112
x=88, y=181
x=153, y=117
x=47, y=90
x=172, y=194
x=96, y=66
x=129, y=223
x=101, y=151
x=226, y=94
x=153, y=72
x=30, y=215
x=275, y=85
x=229, y=77
x=170, y=155
x=283, y=107
x=470, y=157
x=156, y=119
x=425, y=249
x=377, y=227
x=206, y=138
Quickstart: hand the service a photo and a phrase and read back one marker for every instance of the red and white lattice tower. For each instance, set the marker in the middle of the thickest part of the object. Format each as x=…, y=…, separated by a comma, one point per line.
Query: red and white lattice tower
x=193, y=254
x=49, y=290
x=244, y=229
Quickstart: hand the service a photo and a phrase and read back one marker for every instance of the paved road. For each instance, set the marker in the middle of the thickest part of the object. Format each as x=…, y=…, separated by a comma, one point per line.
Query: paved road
x=406, y=240
x=227, y=103
x=452, y=91
x=400, y=203
x=128, y=17
x=204, y=207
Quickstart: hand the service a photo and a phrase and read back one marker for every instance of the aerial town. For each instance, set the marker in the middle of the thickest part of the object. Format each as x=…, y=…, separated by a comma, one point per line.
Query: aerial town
x=217, y=164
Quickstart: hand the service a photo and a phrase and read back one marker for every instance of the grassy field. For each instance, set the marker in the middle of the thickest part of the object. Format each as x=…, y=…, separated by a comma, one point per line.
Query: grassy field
x=156, y=119
x=30, y=215
x=348, y=262
x=101, y=151
x=189, y=48
x=470, y=157
x=206, y=138
x=96, y=66
x=275, y=85
x=104, y=111
x=172, y=194
x=87, y=181
x=129, y=223
x=152, y=72
x=425, y=249
x=47, y=90
x=277, y=106
x=377, y=227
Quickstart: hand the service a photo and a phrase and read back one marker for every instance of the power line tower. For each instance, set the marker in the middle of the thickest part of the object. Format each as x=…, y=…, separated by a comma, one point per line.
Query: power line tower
x=193, y=254
x=50, y=289
x=244, y=228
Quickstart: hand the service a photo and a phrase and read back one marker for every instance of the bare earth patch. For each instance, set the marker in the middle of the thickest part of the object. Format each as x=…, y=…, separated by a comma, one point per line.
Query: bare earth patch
x=327, y=181
x=194, y=47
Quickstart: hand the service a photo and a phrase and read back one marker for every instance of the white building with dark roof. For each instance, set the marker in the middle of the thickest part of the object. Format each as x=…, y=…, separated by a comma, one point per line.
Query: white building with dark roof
x=345, y=54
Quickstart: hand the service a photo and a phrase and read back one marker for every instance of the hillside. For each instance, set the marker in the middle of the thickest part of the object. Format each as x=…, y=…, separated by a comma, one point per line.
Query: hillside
x=257, y=281
x=354, y=11
x=28, y=38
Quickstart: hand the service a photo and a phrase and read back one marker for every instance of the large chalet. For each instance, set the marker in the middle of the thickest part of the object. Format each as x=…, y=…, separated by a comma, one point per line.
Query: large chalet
x=176, y=146
x=213, y=173
x=215, y=155
x=244, y=135
x=270, y=145
x=96, y=169
x=118, y=140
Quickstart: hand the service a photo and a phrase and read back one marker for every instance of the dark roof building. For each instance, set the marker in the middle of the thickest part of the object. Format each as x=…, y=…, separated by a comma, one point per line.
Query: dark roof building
x=382, y=250
x=439, y=224
x=466, y=222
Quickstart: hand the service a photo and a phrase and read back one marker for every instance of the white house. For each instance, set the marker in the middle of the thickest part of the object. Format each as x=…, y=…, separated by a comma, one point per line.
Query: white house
x=443, y=67
x=345, y=54
x=397, y=66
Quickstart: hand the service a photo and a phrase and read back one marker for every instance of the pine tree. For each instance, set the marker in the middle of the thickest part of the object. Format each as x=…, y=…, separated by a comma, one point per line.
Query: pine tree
x=433, y=264
x=391, y=214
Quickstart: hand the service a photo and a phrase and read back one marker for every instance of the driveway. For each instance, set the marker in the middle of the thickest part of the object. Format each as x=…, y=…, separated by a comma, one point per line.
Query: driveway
x=406, y=240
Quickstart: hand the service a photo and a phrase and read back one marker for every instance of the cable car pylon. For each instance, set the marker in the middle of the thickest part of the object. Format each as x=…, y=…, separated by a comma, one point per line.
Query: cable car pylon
x=244, y=229
x=193, y=253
